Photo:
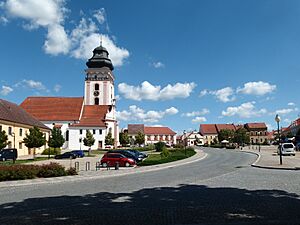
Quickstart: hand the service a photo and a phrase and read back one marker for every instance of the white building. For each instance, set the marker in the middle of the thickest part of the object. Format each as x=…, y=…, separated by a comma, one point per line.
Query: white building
x=191, y=139
x=96, y=111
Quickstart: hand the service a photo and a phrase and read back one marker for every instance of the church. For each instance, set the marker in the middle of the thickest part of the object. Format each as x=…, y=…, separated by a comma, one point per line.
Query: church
x=96, y=111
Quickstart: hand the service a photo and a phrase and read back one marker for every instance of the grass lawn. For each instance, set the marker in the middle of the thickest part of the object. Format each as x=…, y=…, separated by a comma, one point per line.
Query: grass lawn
x=10, y=162
x=175, y=154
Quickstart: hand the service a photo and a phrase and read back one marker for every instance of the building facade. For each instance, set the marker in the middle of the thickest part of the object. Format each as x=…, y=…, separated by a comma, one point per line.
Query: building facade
x=95, y=111
x=258, y=133
x=209, y=133
x=16, y=123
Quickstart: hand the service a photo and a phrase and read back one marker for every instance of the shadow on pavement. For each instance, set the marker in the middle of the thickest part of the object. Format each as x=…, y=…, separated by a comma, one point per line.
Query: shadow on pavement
x=186, y=204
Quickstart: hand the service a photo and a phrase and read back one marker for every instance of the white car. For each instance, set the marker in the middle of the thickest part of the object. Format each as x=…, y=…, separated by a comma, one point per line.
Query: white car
x=287, y=149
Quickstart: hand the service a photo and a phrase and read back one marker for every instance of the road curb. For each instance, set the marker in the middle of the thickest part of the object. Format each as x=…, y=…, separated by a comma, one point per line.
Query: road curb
x=268, y=167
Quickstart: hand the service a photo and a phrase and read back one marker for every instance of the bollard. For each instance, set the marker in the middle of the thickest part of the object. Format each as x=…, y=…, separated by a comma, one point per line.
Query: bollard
x=77, y=166
x=98, y=165
x=117, y=166
x=87, y=166
x=107, y=166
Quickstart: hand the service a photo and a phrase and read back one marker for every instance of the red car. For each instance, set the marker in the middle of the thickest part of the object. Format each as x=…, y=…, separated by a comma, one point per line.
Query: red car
x=111, y=159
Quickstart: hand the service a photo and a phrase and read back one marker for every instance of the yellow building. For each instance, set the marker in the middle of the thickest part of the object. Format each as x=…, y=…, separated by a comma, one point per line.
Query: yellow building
x=16, y=123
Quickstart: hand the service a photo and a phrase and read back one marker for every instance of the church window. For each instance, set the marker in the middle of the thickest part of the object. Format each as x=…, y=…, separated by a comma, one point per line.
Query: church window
x=97, y=87
x=96, y=101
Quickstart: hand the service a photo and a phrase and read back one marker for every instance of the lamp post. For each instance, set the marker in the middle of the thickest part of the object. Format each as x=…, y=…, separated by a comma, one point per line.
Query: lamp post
x=259, y=141
x=277, y=119
x=184, y=136
x=80, y=140
x=14, y=136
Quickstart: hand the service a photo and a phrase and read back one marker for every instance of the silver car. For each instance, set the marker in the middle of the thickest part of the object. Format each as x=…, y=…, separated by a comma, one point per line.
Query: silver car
x=287, y=149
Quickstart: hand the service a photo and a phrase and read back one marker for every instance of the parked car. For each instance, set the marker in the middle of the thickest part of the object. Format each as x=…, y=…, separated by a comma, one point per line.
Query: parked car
x=110, y=159
x=286, y=149
x=8, y=154
x=141, y=155
x=126, y=153
x=66, y=155
x=78, y=153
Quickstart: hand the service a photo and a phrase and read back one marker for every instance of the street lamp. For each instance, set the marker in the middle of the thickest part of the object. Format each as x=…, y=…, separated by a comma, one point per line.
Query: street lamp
x=80, y=140
x=14, y=136
x=184, y=135
x=277, y=119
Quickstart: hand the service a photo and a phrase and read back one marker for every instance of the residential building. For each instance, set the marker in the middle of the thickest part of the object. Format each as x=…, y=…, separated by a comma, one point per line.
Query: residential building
x=153, y=134
x=191, y=138
x=95, y=111
x=293, y=128
x=258, y=133
x=209, y=133
x=16, y=122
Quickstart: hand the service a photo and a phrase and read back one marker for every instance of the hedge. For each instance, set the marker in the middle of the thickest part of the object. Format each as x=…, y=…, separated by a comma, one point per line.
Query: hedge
x=22, y=172
x=53, y=151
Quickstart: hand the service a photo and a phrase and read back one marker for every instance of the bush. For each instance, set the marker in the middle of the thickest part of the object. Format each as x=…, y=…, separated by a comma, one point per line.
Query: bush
x=21, y=172
x=159, y=146
x=216, y=146
x=165, y=153
x=181, y=146
x=53, y=151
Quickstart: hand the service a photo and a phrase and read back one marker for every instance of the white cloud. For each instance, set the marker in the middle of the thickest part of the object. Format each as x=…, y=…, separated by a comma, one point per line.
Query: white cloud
x=204, y=92
x=284, y=111
x=57, y=88
x=137, y=114
x=57, y=40
x=196, y=113
x=158, y=65
x=223, y=95
x=31, y=84
x=100, y=15
x=148, y=91
x=245, y=110
x=5, y=90
x=291, y=104
x=199, y=119
x=3, y=20
x=257, y=88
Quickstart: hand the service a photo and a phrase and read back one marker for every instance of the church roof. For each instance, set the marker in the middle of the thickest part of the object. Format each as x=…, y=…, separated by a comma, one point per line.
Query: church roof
x=54, y=108
x=13, y=113
x=93, y=116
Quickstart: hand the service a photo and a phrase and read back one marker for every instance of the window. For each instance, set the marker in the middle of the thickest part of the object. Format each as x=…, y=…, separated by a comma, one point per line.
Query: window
x=67, y=135
x=20, y=145
x=96, y=87
x=20, y=132
x=9, y=131
x=0, y=128
x=96, y=101
x=80, y=131
x=100, y=131
x=94, y=131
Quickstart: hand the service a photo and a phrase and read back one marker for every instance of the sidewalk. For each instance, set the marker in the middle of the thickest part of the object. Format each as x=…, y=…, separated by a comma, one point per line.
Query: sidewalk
x=269, y=159
x=104, y=173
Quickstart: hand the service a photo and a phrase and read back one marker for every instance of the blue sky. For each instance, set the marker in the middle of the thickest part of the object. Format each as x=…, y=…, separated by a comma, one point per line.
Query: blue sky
x=177, y=63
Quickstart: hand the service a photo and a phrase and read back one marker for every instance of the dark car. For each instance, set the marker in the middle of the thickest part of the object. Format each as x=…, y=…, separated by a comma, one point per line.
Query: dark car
x=111, y=159
x=66, y=155
x=78, y=153
x=140, y=155
x=126, y=153
x=8, y=154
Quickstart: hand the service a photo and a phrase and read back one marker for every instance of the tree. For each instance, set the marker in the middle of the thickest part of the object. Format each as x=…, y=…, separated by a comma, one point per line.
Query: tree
x=124, y=138
x=241, y=136
x=3, y=140
x=89, y=140
x=226, y=134
x=56, y=139
x=140, y=138
x=34, y=139
x=109, y=140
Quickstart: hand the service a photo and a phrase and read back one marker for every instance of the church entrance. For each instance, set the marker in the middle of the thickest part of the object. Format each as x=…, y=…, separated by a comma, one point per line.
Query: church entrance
x=100, y=145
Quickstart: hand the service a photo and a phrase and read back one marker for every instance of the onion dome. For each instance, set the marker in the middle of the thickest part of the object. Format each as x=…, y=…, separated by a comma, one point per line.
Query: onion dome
x=100, y=59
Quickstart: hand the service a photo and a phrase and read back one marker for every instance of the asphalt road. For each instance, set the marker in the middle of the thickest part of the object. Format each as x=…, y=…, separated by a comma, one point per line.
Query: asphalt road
x=221, y=189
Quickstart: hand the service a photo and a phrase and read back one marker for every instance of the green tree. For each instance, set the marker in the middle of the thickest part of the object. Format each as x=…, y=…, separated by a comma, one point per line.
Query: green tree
x=140, y=138
x=124, y=138
x=109, y=140
x=241, y=136
x=3, y=140
x=34, y=139
x=226, y=134
x=56, y=139
x=160, y=146
x=89, y=140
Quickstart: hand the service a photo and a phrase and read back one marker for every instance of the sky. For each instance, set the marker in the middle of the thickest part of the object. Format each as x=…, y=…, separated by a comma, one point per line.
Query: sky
x=177, y=63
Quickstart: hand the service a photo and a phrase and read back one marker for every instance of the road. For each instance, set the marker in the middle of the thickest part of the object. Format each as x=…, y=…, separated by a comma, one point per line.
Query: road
x=221, y=189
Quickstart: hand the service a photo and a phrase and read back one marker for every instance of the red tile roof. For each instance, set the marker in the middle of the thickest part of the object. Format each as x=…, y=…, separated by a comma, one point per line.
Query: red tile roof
x=225, y=127
x=206, y=129
x=135, y=128
x=54, y=108
x=93, y=116
x=256, y=125
x=158, y=131
x=14, y=113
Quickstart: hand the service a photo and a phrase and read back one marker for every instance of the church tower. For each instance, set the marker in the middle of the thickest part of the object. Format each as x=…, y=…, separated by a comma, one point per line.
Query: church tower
x=99, y=80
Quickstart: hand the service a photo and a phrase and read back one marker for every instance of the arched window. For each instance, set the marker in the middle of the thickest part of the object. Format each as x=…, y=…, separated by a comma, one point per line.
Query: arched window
x=97, y=87
x=96, y=101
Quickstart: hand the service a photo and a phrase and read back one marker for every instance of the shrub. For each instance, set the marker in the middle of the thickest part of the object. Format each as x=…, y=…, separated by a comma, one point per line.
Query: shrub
x=179, y=146
x=159, y=146
x=165, y=153
x=72, y=171
x=53, y=151
x=51, y=170
x=216, y=146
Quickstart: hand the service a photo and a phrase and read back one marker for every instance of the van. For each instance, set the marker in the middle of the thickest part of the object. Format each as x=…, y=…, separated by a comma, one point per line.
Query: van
x=287, y=149
x=8, y=154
